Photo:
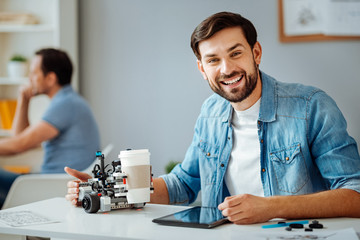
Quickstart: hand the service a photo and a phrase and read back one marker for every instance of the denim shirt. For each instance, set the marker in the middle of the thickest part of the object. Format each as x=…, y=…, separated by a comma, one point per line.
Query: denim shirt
x=304, y=146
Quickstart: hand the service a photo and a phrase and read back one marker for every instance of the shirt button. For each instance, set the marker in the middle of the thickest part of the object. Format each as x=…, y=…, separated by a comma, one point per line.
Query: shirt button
x=262, y=141
x=263, y=170
x=208, y=154
x=287, y=158
x=222, y=165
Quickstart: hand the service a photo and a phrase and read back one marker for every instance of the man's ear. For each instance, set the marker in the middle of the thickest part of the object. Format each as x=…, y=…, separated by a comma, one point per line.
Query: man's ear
x=51, y=79
x=257, y=52
x=201, y=69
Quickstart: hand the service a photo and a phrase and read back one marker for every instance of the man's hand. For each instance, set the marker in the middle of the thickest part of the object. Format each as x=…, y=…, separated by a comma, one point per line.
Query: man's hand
x=73, y=186
x=26, y=92
x=21, y=118
x=246, y=209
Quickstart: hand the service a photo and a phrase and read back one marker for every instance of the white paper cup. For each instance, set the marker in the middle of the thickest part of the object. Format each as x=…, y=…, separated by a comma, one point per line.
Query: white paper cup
x=136, y=165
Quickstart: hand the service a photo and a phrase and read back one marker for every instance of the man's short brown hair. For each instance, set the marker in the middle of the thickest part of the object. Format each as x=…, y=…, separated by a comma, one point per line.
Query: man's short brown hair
x=219, y=21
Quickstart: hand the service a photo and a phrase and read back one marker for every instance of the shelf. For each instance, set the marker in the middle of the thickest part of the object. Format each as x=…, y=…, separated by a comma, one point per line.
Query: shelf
x=57, y=27
x=12, y=81
x=4, y=28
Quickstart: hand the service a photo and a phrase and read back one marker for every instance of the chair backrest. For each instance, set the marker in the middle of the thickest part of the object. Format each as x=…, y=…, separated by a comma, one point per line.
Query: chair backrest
x=35, y=187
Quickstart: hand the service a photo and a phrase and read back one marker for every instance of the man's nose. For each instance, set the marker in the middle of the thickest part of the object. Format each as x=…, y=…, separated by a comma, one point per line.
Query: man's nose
x=227, y=67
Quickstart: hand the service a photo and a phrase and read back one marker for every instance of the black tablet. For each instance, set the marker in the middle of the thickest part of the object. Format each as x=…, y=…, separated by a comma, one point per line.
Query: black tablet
x=196, y=217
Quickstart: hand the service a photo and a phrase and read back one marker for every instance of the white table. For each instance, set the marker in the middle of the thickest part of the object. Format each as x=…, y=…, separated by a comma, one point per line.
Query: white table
x=132, y=224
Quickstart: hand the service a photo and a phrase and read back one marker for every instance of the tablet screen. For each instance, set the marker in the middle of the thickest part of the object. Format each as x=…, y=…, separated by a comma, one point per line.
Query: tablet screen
x=199, y=217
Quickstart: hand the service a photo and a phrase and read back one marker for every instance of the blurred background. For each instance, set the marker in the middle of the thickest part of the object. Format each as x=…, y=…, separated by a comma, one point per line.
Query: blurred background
x=139, y=73
x=137, y=70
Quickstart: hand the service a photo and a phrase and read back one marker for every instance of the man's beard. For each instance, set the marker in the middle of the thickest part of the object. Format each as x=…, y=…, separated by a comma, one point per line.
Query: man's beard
x=237, y=94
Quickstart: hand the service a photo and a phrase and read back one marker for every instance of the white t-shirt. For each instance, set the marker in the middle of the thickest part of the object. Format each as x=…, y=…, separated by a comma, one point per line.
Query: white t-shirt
x=243, y=172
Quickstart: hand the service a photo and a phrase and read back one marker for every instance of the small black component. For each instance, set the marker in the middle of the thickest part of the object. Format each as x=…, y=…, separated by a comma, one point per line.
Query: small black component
x=116, y=163
x=296, y=225
x=315, y=222
x=281, y=222
x=316, y=225
x=308, y=230
x=288, y=229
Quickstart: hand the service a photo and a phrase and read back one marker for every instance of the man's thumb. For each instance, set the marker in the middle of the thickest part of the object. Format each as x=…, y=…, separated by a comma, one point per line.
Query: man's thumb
x=77, y=174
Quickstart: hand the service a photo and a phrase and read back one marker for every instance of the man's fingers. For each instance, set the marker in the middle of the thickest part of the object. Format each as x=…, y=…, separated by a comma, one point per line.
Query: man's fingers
x=75, y=202
x=222, y=206
x=228, y=202
x=71, y=197
x=73, y=184
x=77, y=174
x=227, y=212
x=72, y=190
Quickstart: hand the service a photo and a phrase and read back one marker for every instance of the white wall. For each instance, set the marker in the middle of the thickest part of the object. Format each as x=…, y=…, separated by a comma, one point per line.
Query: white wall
x=139, y=74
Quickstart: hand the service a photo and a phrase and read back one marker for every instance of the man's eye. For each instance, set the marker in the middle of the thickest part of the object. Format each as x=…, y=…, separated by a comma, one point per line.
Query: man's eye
x=234, y=54
x=213, y=60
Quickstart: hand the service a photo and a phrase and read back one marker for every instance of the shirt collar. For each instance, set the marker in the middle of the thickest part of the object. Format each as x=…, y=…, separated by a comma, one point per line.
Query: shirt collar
x=66, y=88
x=268, y=102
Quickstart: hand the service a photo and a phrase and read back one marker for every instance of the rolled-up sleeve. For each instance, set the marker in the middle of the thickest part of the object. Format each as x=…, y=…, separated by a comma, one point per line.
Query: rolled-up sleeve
x=177, y=192
x=335, y=152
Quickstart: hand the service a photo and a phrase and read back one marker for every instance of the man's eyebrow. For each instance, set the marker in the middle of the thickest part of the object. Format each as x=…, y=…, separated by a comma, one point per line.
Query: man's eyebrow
x=210, y=55
x=235, y=46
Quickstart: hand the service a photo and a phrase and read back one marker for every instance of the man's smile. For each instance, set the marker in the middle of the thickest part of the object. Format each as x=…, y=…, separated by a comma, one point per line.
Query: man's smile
x=233, y=81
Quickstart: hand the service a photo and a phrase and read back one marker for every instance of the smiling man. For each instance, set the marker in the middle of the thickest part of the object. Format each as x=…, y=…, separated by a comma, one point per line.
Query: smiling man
x=262, y=149
x=240, y=86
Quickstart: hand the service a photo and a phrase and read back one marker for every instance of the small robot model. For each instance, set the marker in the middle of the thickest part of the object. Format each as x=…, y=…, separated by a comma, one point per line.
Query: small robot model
x=108, y=190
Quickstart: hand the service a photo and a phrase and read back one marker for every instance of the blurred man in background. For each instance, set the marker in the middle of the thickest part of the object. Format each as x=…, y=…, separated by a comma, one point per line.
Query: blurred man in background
x=68, y=129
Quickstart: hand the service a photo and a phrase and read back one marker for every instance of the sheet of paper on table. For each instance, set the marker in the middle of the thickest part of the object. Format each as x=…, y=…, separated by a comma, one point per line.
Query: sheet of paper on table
x=348, y=234
x=23, y=218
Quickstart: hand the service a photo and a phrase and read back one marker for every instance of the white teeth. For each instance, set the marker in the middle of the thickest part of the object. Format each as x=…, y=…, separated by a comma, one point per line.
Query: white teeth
x=233, y=81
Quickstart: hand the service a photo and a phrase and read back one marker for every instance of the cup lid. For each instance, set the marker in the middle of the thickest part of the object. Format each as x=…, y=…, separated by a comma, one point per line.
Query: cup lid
x=128, y=153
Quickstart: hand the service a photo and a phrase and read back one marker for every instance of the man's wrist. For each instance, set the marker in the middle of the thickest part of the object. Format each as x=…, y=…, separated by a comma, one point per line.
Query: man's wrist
x=277, y=206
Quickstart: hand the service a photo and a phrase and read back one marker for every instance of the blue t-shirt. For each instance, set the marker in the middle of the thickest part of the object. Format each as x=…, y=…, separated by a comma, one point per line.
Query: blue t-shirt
x=78, y=138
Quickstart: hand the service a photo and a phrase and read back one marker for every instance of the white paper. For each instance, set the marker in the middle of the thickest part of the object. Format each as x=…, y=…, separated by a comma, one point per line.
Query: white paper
x=343, y=17
x=329, y=17
x=303, y=17
x=23, y=218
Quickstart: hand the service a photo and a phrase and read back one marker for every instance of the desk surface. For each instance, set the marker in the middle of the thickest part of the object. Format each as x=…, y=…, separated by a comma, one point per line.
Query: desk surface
x=134, y=224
